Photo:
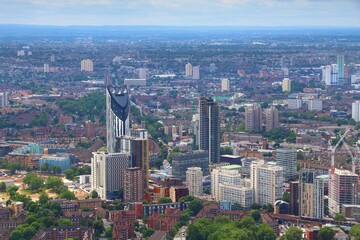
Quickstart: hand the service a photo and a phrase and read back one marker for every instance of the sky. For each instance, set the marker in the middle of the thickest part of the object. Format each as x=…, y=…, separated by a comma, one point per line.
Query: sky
x=182, y=12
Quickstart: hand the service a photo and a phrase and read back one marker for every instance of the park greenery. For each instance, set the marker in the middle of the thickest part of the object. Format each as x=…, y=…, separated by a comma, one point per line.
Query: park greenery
x=222, y=228
x=43, y=213
x=91, y=105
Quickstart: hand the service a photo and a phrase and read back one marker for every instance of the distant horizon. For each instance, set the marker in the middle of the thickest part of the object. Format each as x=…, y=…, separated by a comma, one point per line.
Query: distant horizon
x=265, y=13
x=184, y=26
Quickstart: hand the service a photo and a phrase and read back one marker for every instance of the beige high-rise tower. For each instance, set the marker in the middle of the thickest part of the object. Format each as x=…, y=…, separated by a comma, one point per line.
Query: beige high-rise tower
x=286, y=85
x=194, y=181
x=87, y=65
x=188, y=70
x=271, y=118
x=253, y=117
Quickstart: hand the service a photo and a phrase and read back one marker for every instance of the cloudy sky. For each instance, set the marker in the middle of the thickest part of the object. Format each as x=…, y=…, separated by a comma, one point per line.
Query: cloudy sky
x=182, y=12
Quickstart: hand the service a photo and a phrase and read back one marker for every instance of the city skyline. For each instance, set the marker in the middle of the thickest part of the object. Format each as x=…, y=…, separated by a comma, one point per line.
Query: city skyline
x=182, y=13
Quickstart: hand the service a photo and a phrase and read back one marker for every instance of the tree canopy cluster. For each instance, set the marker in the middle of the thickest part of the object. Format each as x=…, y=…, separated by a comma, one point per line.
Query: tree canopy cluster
x=222, y=228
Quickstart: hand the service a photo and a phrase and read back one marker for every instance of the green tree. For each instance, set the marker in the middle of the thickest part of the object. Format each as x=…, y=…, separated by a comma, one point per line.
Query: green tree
x=164, y=200
x=108, y=232
x=292, y=233
x=326, y=233
x=30, y=176
x=265, y=232
x=226, y=151
x=99, y=227
x=16, y=235
x=187, y=198
x=94, y=194
x=355, y=232
x=36, y=184
x=195, y=206
x=68, y=195
x=29, y=232
x=43, y=198
x=2, y=187
x=36, y=225
x=69, y=174
x=339, y=217
x=63, y=222
x=255, y=214
x=13, y=167
x=12, y=191
x=286, y=197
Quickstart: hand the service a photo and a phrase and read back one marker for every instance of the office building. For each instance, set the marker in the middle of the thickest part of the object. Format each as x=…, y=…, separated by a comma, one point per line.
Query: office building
x=3, y=99
x=135, y=82
x=182, y=161
x=224, y=175
x=225, y=85
x=117, y=115
x=326, y=74
x=52, y=58
x=196, y=72
x=286, y=85
x=330, y=75
x=253, y=117
x=46, y=68
x=343, y=189
x=87, y=65
x=355, y=110
x=355, y=78
x=341, y=68
x=241, y=195
x=271, y=118
x=137, y=145
x=321, y=185
x=209, y=128
x=212, y=67
x=315, y=105
x=195, y=126
x=177, y=192
x=107, y=173
x=142, y=73
x=287, y=158
x=133, y=185
x=60, y=160
x=309, y=192
x=194, y=183
x=188, y=70
x=266, y=181
x=294, y=101
x=294, y=198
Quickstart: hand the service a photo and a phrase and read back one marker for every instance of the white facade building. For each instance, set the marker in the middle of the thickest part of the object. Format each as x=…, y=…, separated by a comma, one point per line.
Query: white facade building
x=218, y=175
x=225, y=85
x=142, y=73
x=135, y=82
x=355, y=111
x=236, y=194
x=287, y=159
x=343, y=189
x=196, y=72
x=3, y=99
x=194, y=181
x=266, y=182
x=107, y=173
x=46, y=68
x=320, y=183
x=315, y=105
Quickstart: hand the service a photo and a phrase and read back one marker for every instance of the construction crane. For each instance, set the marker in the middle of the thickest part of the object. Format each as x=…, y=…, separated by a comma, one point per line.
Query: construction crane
x=354, y=157
x=333, y=149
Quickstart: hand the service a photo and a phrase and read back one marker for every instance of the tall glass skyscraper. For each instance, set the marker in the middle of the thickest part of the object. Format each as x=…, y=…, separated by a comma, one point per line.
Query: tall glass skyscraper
x=209, y=128
x=341, y=69
x=117, y=115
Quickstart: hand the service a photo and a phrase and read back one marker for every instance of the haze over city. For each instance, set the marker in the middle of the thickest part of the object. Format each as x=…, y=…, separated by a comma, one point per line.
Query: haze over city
x=182, y=12
x=179, y=119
